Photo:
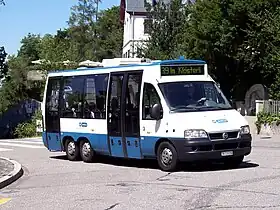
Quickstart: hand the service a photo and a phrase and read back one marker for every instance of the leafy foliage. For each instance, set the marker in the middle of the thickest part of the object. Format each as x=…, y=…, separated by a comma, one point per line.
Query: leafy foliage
x=165, y=27
x=238, y=39
x=85, y=39
x=28, y=129
x=3, y=64
x=264, y=118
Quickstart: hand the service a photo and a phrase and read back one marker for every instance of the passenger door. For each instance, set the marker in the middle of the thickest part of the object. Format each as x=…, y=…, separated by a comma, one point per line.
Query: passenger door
x=123, y=114
x=132, y=114
x=52, y=114
x=116, y=115
x=149, y=126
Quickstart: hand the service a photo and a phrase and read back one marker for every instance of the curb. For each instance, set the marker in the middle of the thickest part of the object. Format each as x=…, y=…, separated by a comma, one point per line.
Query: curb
x=13, y=176
x=31, y=138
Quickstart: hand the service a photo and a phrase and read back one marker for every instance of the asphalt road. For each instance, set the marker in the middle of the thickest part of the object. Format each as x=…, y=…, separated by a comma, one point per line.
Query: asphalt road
x=52, y=182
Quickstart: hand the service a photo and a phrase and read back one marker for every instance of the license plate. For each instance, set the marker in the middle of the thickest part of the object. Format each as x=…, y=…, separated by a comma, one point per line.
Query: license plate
x=227, y=153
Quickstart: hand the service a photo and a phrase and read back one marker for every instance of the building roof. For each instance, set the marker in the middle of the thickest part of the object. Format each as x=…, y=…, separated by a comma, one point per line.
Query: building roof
x=135, y=6
x=138, y=6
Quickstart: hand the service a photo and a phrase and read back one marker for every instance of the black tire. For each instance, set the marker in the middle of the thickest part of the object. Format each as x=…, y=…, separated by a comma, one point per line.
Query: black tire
x=86, y=151
x=165, y=148
x=72, y=150
x=234, y=162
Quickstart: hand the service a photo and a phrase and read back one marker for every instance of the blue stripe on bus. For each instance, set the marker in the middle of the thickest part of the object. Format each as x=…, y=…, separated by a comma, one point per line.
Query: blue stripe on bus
x=97, y=141
x=132, y=65
x=100, y=144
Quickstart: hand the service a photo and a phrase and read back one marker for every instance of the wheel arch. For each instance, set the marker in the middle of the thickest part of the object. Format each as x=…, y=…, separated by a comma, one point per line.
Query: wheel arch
x=64, y=139
x=81, y=138
x=159, y=141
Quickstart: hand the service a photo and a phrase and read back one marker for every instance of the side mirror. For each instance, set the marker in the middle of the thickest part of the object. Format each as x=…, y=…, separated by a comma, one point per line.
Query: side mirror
x=156, y=112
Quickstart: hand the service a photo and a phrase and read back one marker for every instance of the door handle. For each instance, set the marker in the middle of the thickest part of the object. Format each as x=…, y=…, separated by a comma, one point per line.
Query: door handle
x=119, y=141
x=136, y=143
x=112, y=141
x=128, y=143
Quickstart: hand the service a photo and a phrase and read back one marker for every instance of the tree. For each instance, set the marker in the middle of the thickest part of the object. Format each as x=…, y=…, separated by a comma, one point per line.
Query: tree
x=84, y=14
x=165, y=25
x=239, y=39
x=30, y=47
x=3, y=64
x=82, y=28
x=109, y=34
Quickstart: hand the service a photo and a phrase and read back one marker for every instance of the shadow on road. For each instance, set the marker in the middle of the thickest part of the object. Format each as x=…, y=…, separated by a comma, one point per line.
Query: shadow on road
x=152, y=164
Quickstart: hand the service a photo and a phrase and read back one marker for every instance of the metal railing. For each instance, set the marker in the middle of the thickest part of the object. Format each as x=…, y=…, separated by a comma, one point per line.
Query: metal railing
x=271, y=106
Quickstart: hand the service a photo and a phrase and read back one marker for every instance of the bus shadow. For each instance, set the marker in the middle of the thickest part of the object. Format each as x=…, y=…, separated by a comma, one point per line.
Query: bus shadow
x=213, y=166
x=152, y=164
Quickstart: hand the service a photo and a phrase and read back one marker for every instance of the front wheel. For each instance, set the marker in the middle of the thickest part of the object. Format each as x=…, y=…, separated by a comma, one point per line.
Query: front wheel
x=167, y=157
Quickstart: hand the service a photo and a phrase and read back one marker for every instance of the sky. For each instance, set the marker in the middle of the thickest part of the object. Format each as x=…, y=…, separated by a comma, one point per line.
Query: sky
x=20, y=17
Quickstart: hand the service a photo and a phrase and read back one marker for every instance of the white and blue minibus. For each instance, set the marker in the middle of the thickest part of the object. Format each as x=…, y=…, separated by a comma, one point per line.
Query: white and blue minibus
x=169, y=110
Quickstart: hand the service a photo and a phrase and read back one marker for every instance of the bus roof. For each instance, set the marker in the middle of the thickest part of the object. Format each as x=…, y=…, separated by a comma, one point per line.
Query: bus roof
x=116, y=63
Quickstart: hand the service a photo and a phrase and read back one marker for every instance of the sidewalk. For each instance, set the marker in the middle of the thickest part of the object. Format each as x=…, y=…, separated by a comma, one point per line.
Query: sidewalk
x=10, y=171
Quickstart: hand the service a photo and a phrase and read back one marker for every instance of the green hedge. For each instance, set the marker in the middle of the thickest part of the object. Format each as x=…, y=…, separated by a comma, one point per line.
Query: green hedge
x=28, y=129
x=266, y=118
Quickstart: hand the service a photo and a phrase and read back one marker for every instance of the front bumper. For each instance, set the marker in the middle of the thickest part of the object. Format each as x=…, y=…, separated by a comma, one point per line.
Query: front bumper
x=205, y=149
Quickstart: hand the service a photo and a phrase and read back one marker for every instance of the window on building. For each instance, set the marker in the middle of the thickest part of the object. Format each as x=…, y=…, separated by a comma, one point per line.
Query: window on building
x=95, y=96
x=147, y=24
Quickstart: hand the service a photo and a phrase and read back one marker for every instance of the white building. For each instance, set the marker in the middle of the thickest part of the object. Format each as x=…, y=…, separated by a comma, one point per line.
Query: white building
x=133, y=16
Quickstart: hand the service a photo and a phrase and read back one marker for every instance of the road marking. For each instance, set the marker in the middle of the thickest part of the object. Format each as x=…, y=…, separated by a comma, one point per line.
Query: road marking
x=20, y=145
x=4, y=200
x=23, y=142
x=5, y=150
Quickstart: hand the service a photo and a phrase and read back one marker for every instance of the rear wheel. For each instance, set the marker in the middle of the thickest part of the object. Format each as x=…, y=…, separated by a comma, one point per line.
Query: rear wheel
x=72, y=150
x=167, y=157
x=87, y=153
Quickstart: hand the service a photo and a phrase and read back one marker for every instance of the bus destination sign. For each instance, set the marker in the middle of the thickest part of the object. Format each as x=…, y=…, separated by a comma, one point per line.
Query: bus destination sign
x=173, y=70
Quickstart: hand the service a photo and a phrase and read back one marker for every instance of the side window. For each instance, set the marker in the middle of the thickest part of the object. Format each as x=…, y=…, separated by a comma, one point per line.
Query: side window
x=72, y=100
x=95, y=96
x=150, y=97
x=52, y=96
x=132, y=104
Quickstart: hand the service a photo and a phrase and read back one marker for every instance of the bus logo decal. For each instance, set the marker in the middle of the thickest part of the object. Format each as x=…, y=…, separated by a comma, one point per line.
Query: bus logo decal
x=220, y=121
x=83, y=124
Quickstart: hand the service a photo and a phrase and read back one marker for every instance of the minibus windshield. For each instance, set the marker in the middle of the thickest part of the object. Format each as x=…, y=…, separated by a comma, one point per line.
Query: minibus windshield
x=194, y=96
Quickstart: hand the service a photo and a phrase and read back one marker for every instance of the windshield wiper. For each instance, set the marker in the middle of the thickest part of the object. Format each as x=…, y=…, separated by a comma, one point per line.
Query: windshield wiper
x=209, y=107
x=183, y=108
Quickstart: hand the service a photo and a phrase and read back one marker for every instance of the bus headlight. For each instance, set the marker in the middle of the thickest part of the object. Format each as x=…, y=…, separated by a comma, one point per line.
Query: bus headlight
x=195, y=133
x=245, y=130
